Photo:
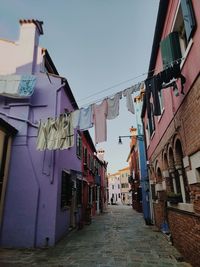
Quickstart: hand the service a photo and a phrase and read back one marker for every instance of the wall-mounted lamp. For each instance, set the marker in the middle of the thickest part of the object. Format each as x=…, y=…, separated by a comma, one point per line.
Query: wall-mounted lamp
x=139, y=137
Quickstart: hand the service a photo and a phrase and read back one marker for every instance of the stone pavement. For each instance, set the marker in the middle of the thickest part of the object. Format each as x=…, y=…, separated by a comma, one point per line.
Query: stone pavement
x=117, y=238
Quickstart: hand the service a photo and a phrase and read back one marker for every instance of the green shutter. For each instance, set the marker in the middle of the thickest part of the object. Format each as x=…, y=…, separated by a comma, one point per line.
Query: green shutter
x=188, y=17
x=170, y=49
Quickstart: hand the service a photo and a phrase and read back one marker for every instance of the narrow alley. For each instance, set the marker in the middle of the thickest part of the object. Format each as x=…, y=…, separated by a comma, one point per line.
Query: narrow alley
x=116, y=238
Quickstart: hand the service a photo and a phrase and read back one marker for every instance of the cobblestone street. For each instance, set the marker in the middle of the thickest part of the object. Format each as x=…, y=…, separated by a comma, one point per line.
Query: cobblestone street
x=116, y=238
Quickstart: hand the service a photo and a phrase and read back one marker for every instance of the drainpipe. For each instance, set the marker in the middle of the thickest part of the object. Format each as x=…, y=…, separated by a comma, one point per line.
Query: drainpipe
x=35, y=175
x=56, y=113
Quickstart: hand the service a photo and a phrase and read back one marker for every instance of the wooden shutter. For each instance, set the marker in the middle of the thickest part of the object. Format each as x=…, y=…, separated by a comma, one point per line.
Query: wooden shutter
x=170, y=49
x=188, y=18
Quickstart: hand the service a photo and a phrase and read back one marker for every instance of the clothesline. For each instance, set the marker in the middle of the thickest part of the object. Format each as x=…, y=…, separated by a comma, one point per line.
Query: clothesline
x=107, y=89
x=58, y=133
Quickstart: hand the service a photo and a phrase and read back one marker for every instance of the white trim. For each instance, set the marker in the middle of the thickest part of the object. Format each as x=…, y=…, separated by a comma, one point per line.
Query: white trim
x=175, y=17
x=189, y=46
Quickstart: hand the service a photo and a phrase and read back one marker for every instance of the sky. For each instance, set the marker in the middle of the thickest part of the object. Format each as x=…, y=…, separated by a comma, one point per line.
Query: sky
x=100, y=46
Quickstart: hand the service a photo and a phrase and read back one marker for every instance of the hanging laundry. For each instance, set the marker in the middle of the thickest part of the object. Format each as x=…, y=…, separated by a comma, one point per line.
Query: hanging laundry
x=43, y=130
x=129, y=99
x=26, y=86
x=52, y=133
x=85, y=118
x=67, y=132
x=168, y=75
x=100, y=114
x=75, y=118
x=56, y=133
x=113, y=106
x=17, y=86
x=153, y=86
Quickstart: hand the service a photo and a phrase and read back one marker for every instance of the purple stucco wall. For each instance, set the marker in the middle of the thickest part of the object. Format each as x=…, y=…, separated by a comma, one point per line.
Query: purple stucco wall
x=32, y=213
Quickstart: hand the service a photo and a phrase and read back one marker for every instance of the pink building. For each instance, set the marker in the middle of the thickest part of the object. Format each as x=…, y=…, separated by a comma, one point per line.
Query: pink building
x=171, y=118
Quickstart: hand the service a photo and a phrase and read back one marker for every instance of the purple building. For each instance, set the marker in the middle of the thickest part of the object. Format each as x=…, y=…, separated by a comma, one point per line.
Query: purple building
x=33, y=184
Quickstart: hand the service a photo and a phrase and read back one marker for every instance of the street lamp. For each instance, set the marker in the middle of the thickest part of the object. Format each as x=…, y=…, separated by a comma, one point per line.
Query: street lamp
x=139, y=137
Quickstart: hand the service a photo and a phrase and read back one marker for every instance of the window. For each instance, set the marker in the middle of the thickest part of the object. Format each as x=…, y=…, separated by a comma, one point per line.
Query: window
x=79, y=191
x=85, y=156
x=78, y=145
x=113, y=187
x=147, y=134
x=119, y=196
x=151, y=122
x=161, y=100
x=89, y=161
x=174, y=46
x=66, y=189
x=118, y=186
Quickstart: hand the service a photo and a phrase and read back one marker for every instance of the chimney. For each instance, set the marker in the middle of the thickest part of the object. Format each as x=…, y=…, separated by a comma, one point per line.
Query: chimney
x=30, y=32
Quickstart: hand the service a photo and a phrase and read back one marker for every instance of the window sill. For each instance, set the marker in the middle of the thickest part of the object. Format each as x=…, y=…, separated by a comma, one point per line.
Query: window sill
x=182, y=206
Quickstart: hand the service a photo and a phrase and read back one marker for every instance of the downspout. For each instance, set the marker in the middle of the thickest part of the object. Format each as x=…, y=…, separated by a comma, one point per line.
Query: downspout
x=36, y=179
x=148, y=175
x=56, y=113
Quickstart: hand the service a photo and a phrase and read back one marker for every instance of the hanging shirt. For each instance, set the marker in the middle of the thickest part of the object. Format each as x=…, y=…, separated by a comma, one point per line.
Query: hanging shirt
x=100, y=114
x=113, y=106
x=129, y=100
x=52, y=132
x=75, y=117
x=85, y=118
x=41, y=137
x=67, y=132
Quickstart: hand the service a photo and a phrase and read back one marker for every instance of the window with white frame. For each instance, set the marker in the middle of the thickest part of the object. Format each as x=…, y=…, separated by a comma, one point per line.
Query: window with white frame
x=175, y=45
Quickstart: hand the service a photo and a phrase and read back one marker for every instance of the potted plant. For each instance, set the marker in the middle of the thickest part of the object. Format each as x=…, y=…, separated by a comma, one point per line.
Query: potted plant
x=174, y=198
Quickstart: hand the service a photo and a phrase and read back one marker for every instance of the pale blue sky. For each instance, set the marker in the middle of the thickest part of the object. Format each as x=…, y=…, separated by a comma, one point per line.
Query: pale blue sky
x=95, y=44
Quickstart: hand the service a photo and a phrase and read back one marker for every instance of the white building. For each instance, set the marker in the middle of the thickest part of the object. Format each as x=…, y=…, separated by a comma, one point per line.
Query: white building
x=114, y=188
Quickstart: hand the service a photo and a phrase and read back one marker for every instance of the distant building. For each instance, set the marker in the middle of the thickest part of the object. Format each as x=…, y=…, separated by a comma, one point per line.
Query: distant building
x=114, y=186
x=126, y=194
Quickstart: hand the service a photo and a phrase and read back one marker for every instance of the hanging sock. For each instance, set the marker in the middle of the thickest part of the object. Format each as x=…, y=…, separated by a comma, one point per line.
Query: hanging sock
x=100, y=114
x=85, y=118
x=113, y=106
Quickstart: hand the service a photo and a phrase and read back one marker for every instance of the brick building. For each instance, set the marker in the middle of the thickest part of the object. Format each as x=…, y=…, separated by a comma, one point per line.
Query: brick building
x=171, y=119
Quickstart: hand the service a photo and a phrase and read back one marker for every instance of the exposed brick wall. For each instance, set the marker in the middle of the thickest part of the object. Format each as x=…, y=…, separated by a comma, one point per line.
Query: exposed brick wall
x=158, y=213
x=185, y=230
x=186, y=124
